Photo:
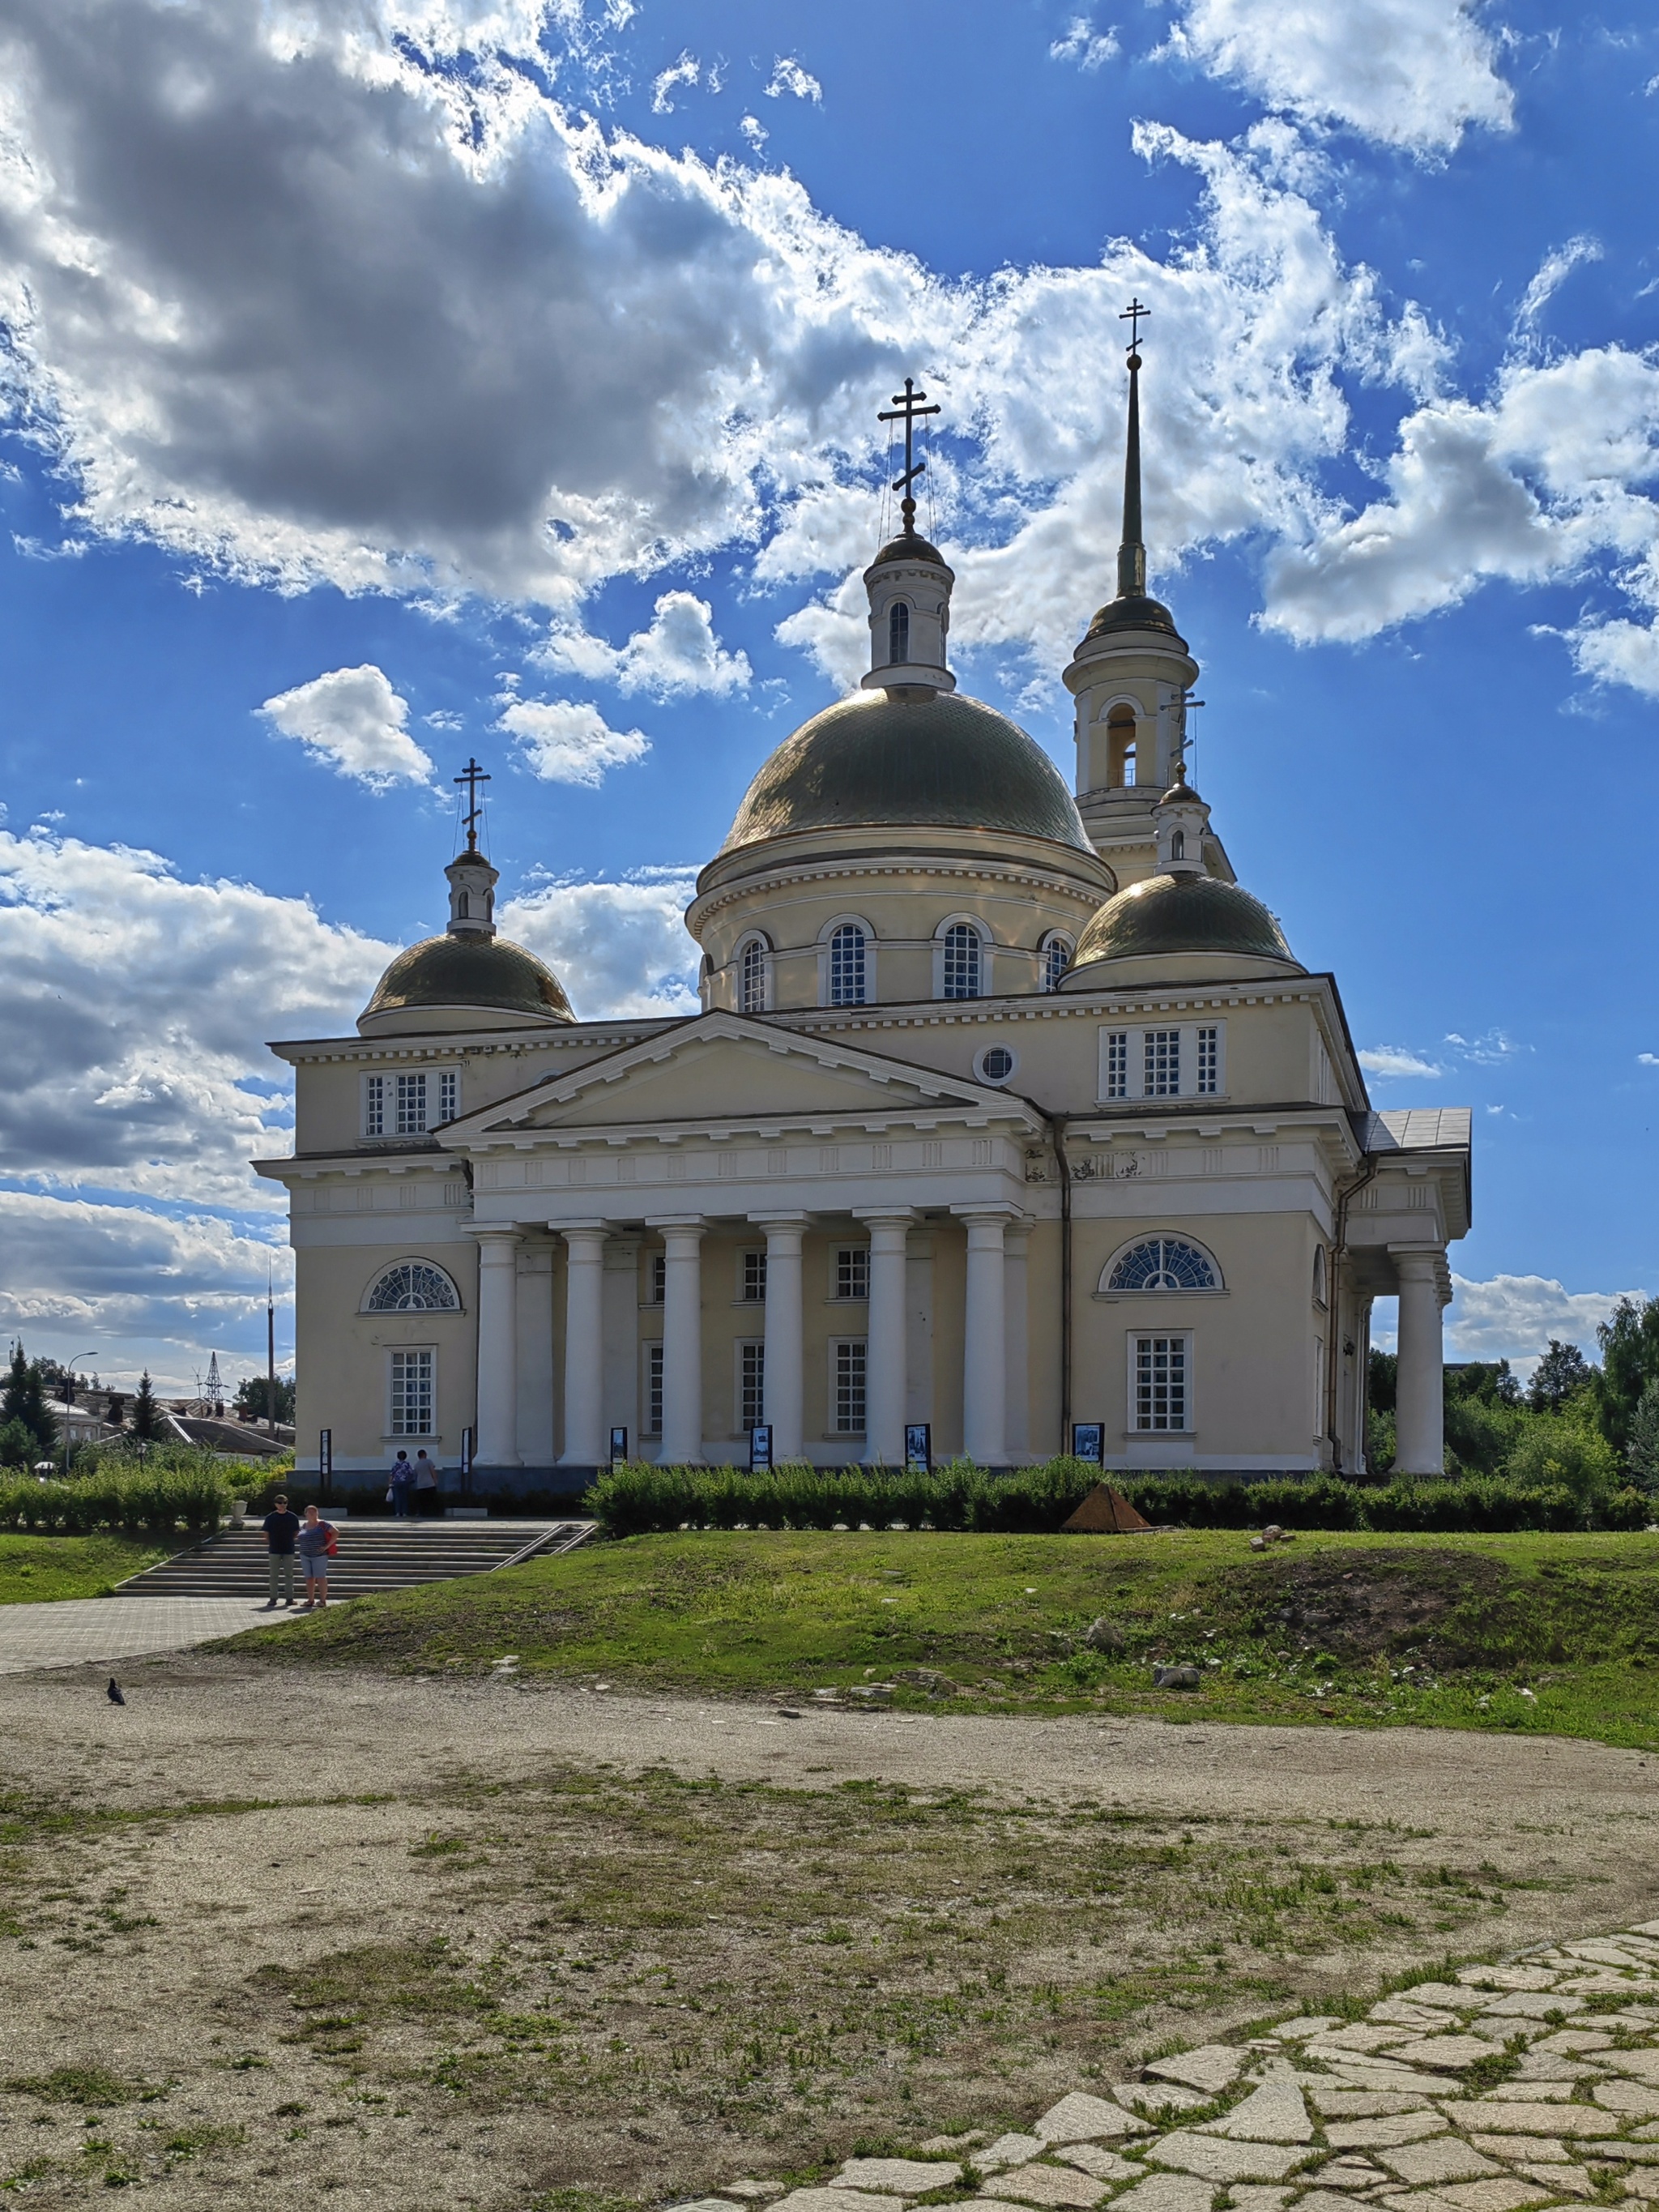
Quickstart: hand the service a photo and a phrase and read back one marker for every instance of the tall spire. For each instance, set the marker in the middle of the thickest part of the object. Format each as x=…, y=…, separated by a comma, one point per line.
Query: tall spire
x=1132, y=552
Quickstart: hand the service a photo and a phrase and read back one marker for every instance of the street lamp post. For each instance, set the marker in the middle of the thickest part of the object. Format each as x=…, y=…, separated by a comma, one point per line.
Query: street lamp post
x=69, y=1401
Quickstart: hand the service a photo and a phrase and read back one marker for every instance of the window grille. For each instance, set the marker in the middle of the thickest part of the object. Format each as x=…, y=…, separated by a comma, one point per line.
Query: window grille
x=1161, y=1383
x=898, y=633
x=852, y=1271
x=1209, y=1061
x=753, y=1292
x=374, y=1106
x=997, y=1064
x=659, y=1278
x=449, y=1094
x=751, y=1385
x=412, y=1392
x=962, y=961
x=654, y=1389
x=848, y=1353
x=411, y=1105
x=847, y=966
x=1057, y=959
x=1163, y=1263
x=752, y=982
x=1117, y=1064
x=1163, y=1064
x=414, y=1287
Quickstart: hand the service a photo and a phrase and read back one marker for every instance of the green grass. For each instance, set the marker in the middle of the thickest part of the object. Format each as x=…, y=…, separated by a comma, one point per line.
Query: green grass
x=1540, y=1634
x=36, y=1570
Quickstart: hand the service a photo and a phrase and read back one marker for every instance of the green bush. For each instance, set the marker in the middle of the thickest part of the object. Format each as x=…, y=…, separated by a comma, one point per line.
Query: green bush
x=1554, y=1450
x=191, y=1489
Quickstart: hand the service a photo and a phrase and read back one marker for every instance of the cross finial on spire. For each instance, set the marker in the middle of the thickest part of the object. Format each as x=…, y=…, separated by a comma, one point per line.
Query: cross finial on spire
x=906, y=408
x=472, y=776
x=1134, y=314
x=1132, y=552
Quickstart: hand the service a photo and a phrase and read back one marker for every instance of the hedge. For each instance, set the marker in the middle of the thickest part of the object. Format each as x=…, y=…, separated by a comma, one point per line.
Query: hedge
x=635, y=1499
x=127, y=1497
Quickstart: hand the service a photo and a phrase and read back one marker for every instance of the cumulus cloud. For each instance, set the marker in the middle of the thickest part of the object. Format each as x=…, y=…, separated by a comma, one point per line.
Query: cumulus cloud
x=1395, y=1060
x=1514, y=1316
x=789, y=76
x=1082, y=44
x=679, y=653
x=354, y=719
x=569, y=741
x=619, y=948
x=1415, y=73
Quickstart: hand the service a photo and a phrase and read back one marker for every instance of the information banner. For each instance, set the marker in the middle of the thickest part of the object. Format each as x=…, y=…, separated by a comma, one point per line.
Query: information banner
x=325, y=1460
x=760, y=1448
x=618, y=1447
x=1089, y=1441
x=917, y=1448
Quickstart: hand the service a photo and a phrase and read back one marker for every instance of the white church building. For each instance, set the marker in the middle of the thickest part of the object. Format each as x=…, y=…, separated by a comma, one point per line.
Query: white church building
x=1008, y=1110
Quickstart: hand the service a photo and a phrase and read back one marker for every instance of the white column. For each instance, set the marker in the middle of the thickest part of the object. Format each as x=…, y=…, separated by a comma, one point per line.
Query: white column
x=783, y=1332
x=498, y=1347
x=1017, y=1420
x=919, y=1327
x=984, y=1342
x=535, y=1392
x=1419, y=1419
x=884, y=1350
x=584, y=1345
x=682, y=1342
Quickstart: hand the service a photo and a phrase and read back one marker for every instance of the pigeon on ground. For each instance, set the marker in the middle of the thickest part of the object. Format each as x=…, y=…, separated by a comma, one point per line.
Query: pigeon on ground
x=113, y=1693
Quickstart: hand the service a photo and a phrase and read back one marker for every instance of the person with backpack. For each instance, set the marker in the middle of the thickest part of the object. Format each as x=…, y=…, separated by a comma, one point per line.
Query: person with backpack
x=424, y=1497
x=318, y=1544
x=401, y=1487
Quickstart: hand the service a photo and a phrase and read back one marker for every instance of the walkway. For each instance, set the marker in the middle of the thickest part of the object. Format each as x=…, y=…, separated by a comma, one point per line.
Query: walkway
x=75, y=1630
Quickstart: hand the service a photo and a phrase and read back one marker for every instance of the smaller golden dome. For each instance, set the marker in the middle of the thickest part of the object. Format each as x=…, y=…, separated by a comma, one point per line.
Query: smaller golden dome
x=452, y=974
x=1182, y=914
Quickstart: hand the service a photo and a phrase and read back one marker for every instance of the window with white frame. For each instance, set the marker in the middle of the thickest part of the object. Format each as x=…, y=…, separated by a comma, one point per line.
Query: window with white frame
x=852, y=1271
x=751, y=1276
x=751, y=1385
x=374, y=1105
x=847, y=1373
x=898, y=633
x=1160, y=1384
x=752, y=978
x=1163, y=1263
x=961, y=975
x=1117, y=1065
x=412, y=1286
x=848, y=965
x=1209, y=1060
x=654, y=1389
x=414, y=1393
x=407, y=1105
x=1057, y=959
x=657, y=1276
x=1319, y=1275
x=1161, y=1077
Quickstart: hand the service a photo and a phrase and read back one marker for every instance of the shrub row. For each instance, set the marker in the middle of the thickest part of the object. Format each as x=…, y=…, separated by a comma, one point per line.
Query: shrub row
x=631, y=1501
x=139, y=1497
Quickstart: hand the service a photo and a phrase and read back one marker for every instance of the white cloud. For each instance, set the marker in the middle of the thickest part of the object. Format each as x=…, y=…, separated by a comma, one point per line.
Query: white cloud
x=789, y=76
x=754, y=131
x=1514, y=1316
x=618, y=948
x=1491, y=1049
x=1082, y=44
x=1397, y=1060
x=569, y=741
x=1648, y=1059
x=1415, y=73
x=686, y=70
x=353, y=718
x=679, y=653
x=1553, y=272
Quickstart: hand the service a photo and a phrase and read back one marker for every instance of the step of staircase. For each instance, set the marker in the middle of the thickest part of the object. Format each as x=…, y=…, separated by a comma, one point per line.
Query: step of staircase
x=372, y=1557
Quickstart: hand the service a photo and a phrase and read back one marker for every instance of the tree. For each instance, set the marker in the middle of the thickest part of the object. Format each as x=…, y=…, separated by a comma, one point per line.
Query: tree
x=252, y=1394
x=17, y=1444
x=1488, y=1380
x=1643, y=1455
x=24, y=1400
x=146, y=1415
x=1381, y=1381
x=1629, y=1361
x=1563, y=1372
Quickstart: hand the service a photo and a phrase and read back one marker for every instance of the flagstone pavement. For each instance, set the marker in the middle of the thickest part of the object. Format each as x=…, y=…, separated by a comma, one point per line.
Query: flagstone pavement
x=1529, y=2084
x=75, y=1630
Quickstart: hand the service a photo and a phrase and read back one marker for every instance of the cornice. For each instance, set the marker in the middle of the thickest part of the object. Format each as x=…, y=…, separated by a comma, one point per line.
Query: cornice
x=782, y=875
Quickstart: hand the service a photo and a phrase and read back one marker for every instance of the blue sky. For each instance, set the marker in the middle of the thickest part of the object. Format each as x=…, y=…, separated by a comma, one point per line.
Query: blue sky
x=384, y=379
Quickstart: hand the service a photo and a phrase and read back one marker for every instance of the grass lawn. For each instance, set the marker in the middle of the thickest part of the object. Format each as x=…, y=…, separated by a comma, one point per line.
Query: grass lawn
x=33, y=1569
x=1547, y=1634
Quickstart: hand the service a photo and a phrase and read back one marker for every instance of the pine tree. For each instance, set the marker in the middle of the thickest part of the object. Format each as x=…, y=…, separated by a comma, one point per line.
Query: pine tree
x=1561, y=1371
x=24, y=1400
x=146, y=1419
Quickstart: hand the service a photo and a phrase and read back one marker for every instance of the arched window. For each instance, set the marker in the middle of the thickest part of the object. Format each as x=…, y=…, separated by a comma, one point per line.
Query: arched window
x=751, y=978
x=1177, y=844
x=1057, y=959
x=962, y=962
x=898, y=633
x=847, y=966
x=1121, y=746
x=1163, y=1263
x=413, y=1286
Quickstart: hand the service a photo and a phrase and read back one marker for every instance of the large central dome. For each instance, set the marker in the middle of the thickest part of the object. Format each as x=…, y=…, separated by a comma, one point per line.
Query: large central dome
x=880, y=762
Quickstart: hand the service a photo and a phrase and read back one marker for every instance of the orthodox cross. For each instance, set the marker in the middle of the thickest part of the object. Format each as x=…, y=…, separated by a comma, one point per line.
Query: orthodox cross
x=907, y=407
x=1134, y=314
x=473, y=777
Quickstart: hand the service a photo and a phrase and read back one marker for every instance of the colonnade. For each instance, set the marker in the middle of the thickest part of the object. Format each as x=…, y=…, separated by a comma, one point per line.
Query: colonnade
x=994, y=1415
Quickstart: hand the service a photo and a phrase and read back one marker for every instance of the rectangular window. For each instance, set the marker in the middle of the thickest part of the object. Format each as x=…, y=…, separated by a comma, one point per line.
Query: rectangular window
x=846, y=1358
x=654, y=1389
x=1162, y=1382
x=449, y=1094
x=412, y=1392
x=659, y=1278
x=751, y=1385
x=751, y=1283
x=1163, y=1064
x=410, y=1106
x=1117, y=1064
x=374, y=1105
x=852, y=1271
x=1209, y=1062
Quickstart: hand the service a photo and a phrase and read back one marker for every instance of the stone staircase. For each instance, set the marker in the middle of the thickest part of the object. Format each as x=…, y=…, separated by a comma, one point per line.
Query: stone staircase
x=373, y=1555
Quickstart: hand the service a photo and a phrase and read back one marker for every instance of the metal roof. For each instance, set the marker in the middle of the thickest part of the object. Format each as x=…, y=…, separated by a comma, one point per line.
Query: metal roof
x=1418, y=1129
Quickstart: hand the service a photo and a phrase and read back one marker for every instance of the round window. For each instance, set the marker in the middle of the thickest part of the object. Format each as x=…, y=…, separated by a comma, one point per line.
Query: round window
x=996, y=1064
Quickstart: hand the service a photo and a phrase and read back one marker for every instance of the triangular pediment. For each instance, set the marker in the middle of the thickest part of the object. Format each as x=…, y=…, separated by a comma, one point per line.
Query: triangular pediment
x=720, y=1068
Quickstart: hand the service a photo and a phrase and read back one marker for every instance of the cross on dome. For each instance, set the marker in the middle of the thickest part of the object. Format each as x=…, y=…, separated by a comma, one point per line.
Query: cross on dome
x=907, y=407
x=472, y=776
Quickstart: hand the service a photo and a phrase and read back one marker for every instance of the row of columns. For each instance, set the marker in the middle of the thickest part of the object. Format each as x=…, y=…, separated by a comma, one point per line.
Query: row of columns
x=994, y=1418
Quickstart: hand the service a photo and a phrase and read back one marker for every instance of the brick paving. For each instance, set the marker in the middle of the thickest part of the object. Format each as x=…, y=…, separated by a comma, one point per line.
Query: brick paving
x=1509, y=2088
x=73, y=1630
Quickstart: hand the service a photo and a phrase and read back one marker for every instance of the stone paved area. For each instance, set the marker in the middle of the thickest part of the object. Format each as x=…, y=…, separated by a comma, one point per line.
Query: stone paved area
x=78, y=1629
x=1529, y=2084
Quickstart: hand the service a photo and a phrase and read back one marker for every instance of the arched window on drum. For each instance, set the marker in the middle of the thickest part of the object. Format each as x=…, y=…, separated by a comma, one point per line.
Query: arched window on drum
x=412, y=1286
x=1162, y=1263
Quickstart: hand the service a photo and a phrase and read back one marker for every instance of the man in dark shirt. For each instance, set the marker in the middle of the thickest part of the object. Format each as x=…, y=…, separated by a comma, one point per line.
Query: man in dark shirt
x=281, y=1527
